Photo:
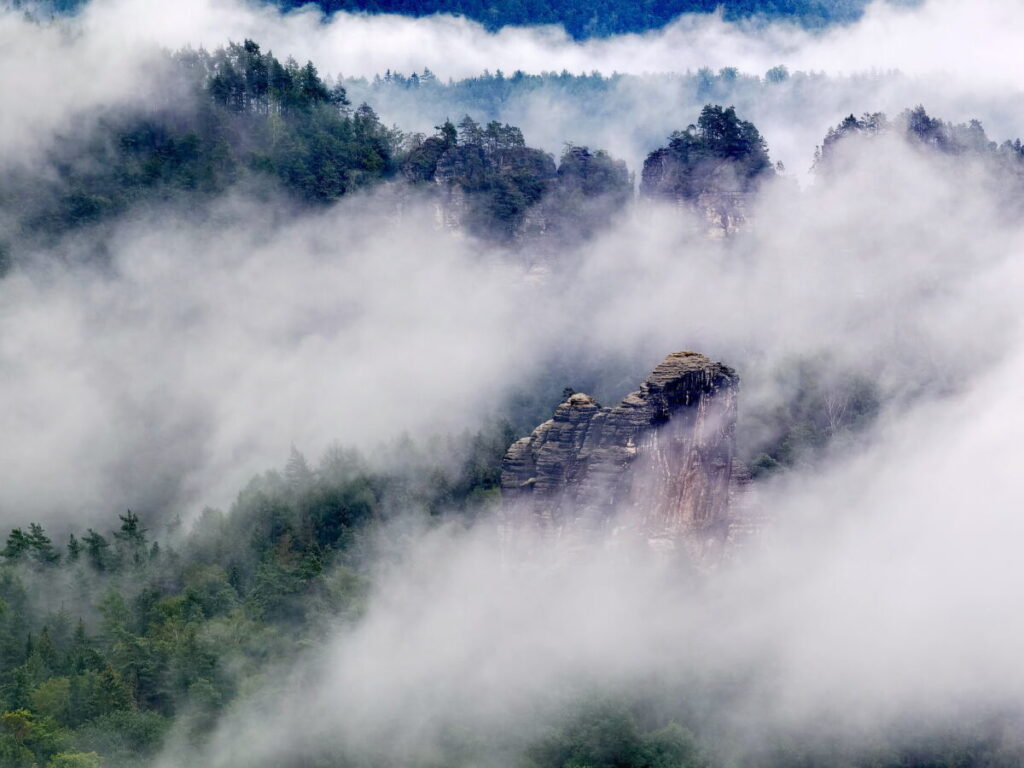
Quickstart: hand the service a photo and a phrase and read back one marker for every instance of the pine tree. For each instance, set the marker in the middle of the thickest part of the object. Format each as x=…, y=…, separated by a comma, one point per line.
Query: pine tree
x=131, y=540
x=47, y=650
x=97, y=550
x=42, y=548
x=18, y=545
x=297, y=473
x=74, y=549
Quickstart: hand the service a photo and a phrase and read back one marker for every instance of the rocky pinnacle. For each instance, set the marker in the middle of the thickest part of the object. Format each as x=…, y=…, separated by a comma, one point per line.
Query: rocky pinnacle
x=658, y=466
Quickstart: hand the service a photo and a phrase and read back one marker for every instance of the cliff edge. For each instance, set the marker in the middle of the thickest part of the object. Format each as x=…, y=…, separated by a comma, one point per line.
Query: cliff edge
x=658, y=466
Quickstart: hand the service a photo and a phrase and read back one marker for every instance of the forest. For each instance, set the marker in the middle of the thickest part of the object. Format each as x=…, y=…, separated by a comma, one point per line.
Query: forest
x=593, y=18
x=238, y=118
x=600, y=19
x=921, y=129
x=115, y=641
x=108, y=639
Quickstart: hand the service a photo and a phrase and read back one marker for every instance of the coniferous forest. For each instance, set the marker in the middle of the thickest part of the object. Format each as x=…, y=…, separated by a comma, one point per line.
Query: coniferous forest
x=586, y=19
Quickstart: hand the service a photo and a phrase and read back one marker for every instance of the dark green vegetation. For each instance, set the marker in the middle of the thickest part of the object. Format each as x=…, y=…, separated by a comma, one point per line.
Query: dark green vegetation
x=581, y=19
x=493, y=183
x=820, y=412
x=610, y=734
x=721, y=154
x=625, y=102
x=599, y=18
x=237, y=116
x=112, y=644
x=111, y=639
x=241, y=120
x=928, y=133
x=654, y=732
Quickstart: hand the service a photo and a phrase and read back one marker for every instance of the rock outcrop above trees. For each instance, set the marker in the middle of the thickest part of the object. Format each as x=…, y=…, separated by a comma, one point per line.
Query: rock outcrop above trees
x=659, y=466
x=714, y=168
x=489, y=184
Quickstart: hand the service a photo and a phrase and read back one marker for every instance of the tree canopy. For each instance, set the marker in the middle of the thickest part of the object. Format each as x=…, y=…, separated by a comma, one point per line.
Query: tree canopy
x=720, y=154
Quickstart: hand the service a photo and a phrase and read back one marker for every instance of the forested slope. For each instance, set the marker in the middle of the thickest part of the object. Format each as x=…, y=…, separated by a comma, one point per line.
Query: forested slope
x=586, y=19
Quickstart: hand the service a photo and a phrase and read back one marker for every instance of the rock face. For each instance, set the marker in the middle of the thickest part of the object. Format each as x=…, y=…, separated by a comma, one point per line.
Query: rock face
x=658, y=466
x=488, y=183
x=711, y=190
x=488, y=192
x=724, y=213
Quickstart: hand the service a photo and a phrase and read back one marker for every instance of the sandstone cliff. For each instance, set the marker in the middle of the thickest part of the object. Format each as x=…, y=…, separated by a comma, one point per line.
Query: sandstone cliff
x=657, y=467
x=714, y=168
x=711, y=190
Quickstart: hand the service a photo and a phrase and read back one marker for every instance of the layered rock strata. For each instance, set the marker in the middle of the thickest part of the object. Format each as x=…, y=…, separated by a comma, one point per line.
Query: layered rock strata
x=658, y=466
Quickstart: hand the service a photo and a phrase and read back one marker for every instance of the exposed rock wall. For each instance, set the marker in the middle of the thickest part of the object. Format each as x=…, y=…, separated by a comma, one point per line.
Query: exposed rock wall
x=711, y=191
x=724, y=213
x=658, y=466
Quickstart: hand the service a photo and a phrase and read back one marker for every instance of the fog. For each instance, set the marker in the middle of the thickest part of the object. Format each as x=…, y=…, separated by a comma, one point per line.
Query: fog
x=895, y=57
x=206, y=347
x=884, y=593
x=916, y=40
x=634, y=114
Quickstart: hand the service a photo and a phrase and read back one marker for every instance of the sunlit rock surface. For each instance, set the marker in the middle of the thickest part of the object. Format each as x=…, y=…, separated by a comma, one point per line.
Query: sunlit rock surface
x=658, y=467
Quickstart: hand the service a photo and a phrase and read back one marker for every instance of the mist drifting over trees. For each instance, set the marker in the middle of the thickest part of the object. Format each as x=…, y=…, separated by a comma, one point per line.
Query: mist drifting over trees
x=281, y=285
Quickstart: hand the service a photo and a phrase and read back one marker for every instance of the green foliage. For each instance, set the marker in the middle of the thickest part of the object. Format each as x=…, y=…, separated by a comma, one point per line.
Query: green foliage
x=174, y=639
x=93, y=693
x=74, y=548
x=673, y=747
x=52, y=698
x=591, y=189
x=41, y=547
x=820, y=411
x=606, y=735
x=582, y=19
x=491, y=166
x=130, y=541
x=494, y=181
x=13, y=754
x=18, y=545
x=27, y=739
x=599, y=18
x=173, y=642
x=97, y=550
x=34, y=545
x=927, y=133
x=74, y=760
x=123, y=738
x=234, y=116
x=720, y=154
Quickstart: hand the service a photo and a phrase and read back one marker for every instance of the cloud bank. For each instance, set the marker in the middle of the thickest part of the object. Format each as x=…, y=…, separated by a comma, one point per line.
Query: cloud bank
x=884, y=595
x=918, y=40
x=207, y=348
x=105, y=56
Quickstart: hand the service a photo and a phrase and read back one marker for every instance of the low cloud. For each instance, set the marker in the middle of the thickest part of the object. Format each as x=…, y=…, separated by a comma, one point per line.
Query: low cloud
x=207, y=348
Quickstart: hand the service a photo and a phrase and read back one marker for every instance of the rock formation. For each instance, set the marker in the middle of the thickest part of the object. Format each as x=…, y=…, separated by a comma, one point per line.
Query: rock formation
x=488, y=183
x=712, y=191
x=658, y=466
x=713, y=168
